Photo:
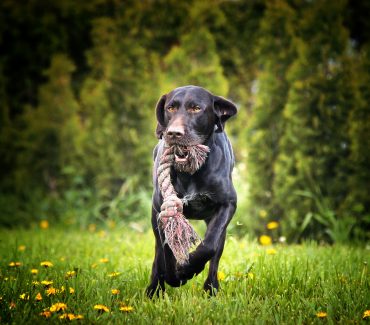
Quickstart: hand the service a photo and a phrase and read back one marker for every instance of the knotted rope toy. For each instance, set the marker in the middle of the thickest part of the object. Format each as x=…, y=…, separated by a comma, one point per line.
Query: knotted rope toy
x=179, y=234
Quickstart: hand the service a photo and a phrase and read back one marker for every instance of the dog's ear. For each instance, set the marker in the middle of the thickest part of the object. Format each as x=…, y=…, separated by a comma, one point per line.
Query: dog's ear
x=223, y=109
x=159, y=111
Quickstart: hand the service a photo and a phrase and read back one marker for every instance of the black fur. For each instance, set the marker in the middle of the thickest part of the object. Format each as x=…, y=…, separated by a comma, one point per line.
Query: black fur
x=198, y=117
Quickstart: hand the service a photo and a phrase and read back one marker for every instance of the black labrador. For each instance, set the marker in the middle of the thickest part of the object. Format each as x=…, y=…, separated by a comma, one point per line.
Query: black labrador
x=192, y=115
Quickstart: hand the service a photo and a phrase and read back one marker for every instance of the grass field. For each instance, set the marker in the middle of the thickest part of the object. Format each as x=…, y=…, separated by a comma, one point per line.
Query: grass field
x=277, y=284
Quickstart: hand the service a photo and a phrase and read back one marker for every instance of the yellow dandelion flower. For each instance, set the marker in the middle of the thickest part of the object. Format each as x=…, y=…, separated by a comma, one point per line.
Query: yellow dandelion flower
x=272, y=225
x=263, y=214
x=111, y=224
x=114, y=274
x=44, y=224
x=15, y=264
x=45, y=314
x=366, y=314
x=46, y=283
x=321, y=314
x=115, y=292
x=71, y=290
x=101, y=308
x=221, y=276
x=265, y=240
x=24, y=296
x=70, y=274
x=34, y=271
x=102, y=233
x=62, y=259
x=126, y=309
x=250, y=275
x=51, y=291
x=92, y=227
x=21, y=248
x=68, y=316
x=46, y=264
x=271, y=251
x=62, y=289
x=103, y=260
x=38, y=297
x=35, y=283
x=59, y=306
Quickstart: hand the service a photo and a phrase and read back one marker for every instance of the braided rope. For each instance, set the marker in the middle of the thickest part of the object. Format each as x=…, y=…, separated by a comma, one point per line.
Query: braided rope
x=179, y=234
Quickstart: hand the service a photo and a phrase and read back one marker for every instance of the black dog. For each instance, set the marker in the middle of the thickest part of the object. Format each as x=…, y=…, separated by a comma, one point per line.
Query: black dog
x=187, y=116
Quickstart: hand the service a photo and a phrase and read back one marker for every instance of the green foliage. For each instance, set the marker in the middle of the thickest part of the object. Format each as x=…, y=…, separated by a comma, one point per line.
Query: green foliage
x=79, y=83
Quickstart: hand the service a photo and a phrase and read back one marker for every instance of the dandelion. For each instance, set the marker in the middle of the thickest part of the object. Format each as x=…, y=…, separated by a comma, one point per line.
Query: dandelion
x=38, y=297
x=103, y=260
x=102, y=233
x=46, y=264
x=44, y=224
x=92, y=227
x=115, y=292
x=101, y=308
x=221, y=276
x=45, y=313
x=70, y=274
x=263, y=214
x=46, y=283
x=126, y=309
x=250, y=275
x=34, y=271
x=271, y=251
x=272, y=225
x=59, y=306
x=282, y=239
x=71, y=290
x=21, y=248
x=321, y=314
x=51, y=291
x=111, y=224
x=366, y=314
x=35, y=283
x=70, y=317
x=114, y=274
x=24, y=296
x=15, y=264
x=265, y=240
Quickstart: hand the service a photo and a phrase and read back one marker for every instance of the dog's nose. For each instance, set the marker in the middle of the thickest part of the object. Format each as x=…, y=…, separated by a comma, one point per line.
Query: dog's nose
x=175, y=132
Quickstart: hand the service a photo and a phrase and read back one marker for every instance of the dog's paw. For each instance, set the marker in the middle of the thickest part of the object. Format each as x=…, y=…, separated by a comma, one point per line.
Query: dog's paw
x=211, y=287
x=154, y=290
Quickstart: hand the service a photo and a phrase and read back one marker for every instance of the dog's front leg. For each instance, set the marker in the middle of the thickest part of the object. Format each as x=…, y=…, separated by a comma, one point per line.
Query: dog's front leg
x=158, y=268
x=211, y=246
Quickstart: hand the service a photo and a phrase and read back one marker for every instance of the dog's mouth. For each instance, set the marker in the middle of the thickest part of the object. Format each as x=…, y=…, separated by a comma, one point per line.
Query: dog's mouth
x=181, y=154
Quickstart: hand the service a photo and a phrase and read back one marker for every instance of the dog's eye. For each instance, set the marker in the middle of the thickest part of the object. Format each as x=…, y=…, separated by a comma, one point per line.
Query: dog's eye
x=171, y=109
x=194, y=109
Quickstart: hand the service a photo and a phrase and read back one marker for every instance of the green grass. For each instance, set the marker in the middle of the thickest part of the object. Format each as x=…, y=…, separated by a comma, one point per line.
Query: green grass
x=288, y=287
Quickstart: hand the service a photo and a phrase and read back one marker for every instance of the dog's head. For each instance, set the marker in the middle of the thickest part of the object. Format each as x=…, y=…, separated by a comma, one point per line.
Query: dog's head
x=189, y=115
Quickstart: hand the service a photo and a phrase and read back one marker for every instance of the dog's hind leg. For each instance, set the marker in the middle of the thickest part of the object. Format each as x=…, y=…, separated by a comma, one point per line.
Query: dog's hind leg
x=211, y=284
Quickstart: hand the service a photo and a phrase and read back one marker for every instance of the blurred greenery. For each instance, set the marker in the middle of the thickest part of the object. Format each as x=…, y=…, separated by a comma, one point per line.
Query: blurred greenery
x=79, y=82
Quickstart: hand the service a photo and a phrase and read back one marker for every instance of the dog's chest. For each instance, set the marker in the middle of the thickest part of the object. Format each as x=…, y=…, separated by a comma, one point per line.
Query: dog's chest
x=198, y=202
